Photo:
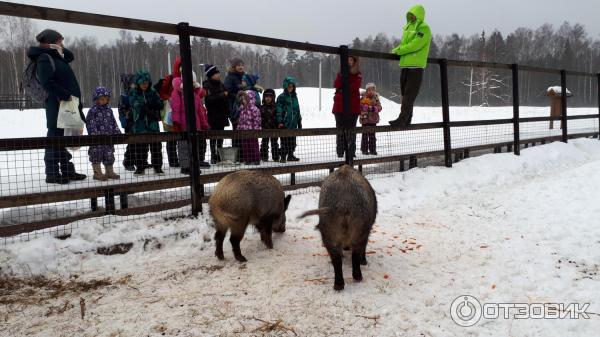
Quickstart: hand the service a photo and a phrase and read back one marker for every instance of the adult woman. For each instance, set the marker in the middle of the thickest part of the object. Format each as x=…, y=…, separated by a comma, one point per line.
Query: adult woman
x=58, y=79
x=347, y=120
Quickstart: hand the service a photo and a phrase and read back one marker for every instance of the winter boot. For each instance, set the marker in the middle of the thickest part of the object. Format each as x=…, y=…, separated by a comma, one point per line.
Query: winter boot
x=98, y=175
x=110, y=173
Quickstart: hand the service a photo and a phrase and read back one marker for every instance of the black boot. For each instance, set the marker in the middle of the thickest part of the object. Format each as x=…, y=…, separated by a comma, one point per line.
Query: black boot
x=396, y=122
x=57, y=179
x=291, y=157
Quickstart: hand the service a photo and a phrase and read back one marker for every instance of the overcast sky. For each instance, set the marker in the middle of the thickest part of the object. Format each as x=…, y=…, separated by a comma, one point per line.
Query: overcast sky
x=334, y=22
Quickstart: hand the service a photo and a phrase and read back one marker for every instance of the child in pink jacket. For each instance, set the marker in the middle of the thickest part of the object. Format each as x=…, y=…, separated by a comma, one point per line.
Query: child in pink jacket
x=250, y=119
x=180, y=122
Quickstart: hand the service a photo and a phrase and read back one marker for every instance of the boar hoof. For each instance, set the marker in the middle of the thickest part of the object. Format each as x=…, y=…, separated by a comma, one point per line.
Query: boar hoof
x=338, y=286
x=363, y=261
x=357, y=276
x=279, y=230
x=241, y=258
x=220, y=255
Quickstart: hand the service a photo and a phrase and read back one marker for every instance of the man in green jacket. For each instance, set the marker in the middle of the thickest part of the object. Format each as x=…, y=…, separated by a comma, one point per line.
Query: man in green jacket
x=413, y=51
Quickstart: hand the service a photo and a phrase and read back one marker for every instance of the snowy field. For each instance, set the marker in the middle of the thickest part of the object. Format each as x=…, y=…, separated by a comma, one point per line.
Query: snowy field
x=498, y=227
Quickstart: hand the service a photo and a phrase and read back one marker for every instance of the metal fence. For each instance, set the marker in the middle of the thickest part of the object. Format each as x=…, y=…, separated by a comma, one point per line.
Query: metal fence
x=29, y=205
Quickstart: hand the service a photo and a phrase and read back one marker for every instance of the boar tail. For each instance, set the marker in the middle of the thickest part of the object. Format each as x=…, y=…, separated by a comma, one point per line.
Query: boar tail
x=320, y=211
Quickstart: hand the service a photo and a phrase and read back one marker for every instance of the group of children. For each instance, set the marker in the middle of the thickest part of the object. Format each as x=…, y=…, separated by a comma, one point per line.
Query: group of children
x=143, y=106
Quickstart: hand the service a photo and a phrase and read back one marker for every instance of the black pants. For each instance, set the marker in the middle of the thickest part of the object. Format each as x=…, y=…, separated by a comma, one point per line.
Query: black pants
x=215, y=145
x=347, y=140
x=288, y=146
x=410, y=84
x=264, y=148
x=369, y=141
x=58, y=159
x=141, y=155
x=129, y=159
x=172, y=153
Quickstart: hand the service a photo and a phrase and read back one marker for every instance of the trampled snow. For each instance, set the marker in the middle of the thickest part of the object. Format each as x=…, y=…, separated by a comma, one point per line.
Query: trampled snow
x=498, y=227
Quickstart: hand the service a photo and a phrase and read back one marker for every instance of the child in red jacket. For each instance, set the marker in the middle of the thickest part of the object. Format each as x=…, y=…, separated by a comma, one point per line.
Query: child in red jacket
x=180, y=123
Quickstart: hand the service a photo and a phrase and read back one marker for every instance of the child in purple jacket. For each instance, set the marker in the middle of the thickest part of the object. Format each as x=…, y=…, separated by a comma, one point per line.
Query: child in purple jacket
x=101, y=121
x=250, y=119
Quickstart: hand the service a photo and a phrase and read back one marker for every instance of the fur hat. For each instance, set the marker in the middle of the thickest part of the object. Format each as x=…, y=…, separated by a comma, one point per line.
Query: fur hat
x=48, y=36
x=236, y=62
x=371, y=85
x=210, y=70
x=101, y=91
x=269, y=92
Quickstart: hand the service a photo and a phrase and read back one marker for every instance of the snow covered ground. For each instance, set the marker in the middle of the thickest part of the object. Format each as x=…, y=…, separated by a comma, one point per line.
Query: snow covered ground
x=498, y=227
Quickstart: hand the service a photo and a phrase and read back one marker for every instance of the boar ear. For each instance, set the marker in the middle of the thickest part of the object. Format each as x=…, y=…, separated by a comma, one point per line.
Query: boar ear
x=286, y=202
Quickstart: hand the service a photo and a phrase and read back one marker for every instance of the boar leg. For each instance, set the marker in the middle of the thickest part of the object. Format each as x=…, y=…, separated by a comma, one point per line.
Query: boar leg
x=266, y=231
x=363, y=252
x=235, y=238
x=219, y=237
x=336, y=260
x=357, y=256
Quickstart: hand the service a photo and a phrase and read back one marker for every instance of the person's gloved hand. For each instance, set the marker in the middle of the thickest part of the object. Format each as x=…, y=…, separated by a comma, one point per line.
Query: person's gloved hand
x=281, y=126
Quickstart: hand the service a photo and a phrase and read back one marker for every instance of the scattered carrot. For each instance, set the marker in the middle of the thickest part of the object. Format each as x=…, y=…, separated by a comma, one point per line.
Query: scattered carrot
x=419, y=246
x=484, y=247
x=386, y=276
x=403, y=250
x=493, y=286
x=371, y=252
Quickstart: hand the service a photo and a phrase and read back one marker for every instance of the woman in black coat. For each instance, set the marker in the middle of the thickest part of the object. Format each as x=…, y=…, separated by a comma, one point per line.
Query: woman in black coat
x=217, y=106
x=59, y=81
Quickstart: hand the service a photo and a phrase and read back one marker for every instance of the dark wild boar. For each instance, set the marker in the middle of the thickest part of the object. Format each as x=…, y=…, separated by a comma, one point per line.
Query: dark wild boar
x=243, y=198
x=347, y=211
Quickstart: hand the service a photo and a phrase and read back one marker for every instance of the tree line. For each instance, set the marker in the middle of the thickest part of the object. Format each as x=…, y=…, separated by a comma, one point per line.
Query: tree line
x=566, y=47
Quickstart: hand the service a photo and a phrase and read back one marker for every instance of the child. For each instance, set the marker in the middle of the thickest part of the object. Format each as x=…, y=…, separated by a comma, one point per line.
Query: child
x=370, y=106
x=146, y=106
x=268, y=112
x=233, y=84
x=217, y=104
x=126, y=118
x=288, y=117
x=249, y=120
x=180, y=124
x=164, y=87
x=249, y=83
x=101, y=121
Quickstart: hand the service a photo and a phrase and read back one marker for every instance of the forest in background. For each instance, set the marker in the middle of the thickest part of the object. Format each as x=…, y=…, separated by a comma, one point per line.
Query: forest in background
x=565, y=47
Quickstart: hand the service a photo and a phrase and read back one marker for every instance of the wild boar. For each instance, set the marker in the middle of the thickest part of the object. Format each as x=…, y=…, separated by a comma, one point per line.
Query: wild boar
x=243, y=198
x=347, y=211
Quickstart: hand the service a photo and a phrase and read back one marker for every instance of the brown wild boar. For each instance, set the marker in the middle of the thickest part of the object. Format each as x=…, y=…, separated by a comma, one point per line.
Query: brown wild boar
x=243, y=198
x=347, y=211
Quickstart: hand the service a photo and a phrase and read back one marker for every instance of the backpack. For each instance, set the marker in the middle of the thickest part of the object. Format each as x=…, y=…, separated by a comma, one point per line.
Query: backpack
x=30, y=84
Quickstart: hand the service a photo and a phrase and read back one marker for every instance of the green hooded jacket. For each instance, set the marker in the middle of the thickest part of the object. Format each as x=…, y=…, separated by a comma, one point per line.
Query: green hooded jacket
x=416, y=40
x=287, y=106
x=145, y=106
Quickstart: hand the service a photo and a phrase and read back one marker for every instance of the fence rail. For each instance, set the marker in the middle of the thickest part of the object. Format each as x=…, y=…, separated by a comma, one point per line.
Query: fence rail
x=443, y=140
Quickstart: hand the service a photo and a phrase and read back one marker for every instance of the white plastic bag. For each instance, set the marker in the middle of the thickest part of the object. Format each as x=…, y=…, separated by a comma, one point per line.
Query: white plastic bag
x=73, y=132
x=68, y=115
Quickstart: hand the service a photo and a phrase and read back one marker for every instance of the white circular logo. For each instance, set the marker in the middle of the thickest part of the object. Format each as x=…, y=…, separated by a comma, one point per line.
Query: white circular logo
x=465, y=310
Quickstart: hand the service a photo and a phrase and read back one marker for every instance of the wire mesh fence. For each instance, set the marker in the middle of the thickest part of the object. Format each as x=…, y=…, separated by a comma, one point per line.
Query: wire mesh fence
x=49, y=185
